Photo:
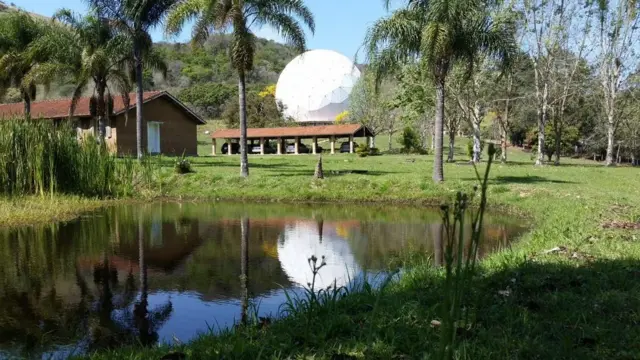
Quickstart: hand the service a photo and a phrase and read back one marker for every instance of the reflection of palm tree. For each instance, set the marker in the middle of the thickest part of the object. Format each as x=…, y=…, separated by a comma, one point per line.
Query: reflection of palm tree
x=145, y=321
x=244, y=267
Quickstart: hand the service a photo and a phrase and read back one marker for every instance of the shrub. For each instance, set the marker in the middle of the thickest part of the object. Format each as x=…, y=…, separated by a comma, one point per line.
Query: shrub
x=410, y=142
x=470, y=148
x=182, y=165
x=362, y=150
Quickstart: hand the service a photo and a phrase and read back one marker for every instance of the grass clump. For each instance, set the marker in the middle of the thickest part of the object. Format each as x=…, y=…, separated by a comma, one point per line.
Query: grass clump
x=38, y=157
x=182, y=165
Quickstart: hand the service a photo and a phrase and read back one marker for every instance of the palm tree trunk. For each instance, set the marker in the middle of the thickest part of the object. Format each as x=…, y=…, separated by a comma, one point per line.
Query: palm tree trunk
x=244, y=268
x=244, y=161
x=101, y=111
x=137, y=54
x=438, y=173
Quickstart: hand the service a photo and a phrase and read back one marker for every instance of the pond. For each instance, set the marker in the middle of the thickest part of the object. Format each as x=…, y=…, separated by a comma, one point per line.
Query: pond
x=165, y=272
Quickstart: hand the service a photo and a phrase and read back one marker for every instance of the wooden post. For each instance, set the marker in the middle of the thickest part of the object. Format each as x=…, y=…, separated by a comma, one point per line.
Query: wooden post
x=213, y=148
x=314, y=145
x=279, y=144
x=333, y=145
x=228, y=146
x=261, y=146
x=297, y=141
x=350, y=144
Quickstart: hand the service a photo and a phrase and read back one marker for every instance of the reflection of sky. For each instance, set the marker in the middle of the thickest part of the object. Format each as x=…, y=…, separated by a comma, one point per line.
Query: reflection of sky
x=298, y=243
x=192, y=316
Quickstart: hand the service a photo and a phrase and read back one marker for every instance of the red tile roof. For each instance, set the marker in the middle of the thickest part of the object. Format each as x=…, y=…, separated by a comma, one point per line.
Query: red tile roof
x=59, y=109
x=300, y=131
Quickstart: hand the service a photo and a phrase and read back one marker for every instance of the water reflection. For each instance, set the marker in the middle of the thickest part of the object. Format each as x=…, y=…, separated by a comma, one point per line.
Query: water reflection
x=72, y=287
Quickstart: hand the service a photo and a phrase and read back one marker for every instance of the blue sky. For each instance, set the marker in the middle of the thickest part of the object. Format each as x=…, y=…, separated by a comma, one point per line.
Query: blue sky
x=340, y=24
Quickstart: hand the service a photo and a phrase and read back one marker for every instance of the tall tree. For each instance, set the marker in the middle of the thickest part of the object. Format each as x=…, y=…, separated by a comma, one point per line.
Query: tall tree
x=374, y=109
x=92, y=54
x=551, y=30
x=238, y=16
x=618, y=58
x=439, y=33
x=18, y=30
x=135, y=18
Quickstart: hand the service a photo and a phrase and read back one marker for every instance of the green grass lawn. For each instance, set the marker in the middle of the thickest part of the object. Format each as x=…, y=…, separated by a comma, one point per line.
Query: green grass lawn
x=579, y=302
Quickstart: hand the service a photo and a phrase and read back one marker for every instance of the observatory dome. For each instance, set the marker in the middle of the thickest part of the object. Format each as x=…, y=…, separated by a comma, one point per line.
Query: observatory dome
x=315, y=86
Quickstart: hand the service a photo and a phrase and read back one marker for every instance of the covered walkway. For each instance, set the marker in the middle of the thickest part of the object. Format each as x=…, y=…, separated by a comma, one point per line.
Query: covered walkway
x=281, y=134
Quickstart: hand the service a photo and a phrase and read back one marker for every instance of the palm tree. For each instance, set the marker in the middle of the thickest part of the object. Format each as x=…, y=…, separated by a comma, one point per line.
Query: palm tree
x=438, y=33
x=91, y=52
x=17, y=31
x=239, y=16
x=135, y=18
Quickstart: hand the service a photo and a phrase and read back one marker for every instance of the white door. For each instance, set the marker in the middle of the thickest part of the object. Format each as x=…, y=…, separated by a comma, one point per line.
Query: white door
x=153, y=137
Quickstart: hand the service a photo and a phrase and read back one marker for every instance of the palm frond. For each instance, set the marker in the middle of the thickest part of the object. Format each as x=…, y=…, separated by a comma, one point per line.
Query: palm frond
x=183, y=12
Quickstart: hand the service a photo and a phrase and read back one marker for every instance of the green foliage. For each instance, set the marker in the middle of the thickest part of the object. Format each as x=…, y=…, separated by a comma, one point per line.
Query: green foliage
x=38, y=158
x=410, y=142
x=284, y=16
x=362, y=150
x=470, y=148
x=182, y=165
x=209, y=99
x=568, y=139
x=261, y=111
x=18, y=31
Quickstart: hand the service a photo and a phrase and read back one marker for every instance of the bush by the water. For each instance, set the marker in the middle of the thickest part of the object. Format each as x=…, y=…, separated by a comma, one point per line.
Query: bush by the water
x=410, y=142
x=40, y=157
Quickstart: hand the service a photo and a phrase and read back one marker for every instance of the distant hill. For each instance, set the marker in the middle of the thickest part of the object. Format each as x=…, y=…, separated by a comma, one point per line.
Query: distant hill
x=10, y=6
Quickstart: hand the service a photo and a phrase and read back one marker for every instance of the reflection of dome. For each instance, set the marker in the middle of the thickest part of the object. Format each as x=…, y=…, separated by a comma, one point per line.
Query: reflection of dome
x=316, y=85
x=298, y=243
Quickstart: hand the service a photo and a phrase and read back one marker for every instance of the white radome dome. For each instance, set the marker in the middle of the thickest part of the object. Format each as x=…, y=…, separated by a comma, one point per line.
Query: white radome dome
x=315, y=86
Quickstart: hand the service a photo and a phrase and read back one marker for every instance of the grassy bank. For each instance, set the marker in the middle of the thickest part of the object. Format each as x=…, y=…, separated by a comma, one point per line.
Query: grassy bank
x=35, y=210
x=567, y=289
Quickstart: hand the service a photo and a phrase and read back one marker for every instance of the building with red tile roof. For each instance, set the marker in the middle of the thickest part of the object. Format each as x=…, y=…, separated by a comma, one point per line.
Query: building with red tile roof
x=169, y=126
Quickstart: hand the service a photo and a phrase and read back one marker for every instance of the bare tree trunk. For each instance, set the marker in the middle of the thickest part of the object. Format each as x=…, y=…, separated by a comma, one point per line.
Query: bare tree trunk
x=542, y=121
x=503, y=145
x=244, y=268
x=27, y=104
x=438, y=171
x=452, y=144
x=558, y=133
x=475, y=122
x=610, y=141
x=137, y=53
x=244, y=161
x=390, y=135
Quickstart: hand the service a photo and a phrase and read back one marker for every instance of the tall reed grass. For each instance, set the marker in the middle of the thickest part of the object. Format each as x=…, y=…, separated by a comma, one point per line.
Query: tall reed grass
x=38, y=157
x=460, y=263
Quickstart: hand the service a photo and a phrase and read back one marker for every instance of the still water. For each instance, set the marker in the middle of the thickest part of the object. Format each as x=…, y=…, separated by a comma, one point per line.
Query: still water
x=165, y=272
